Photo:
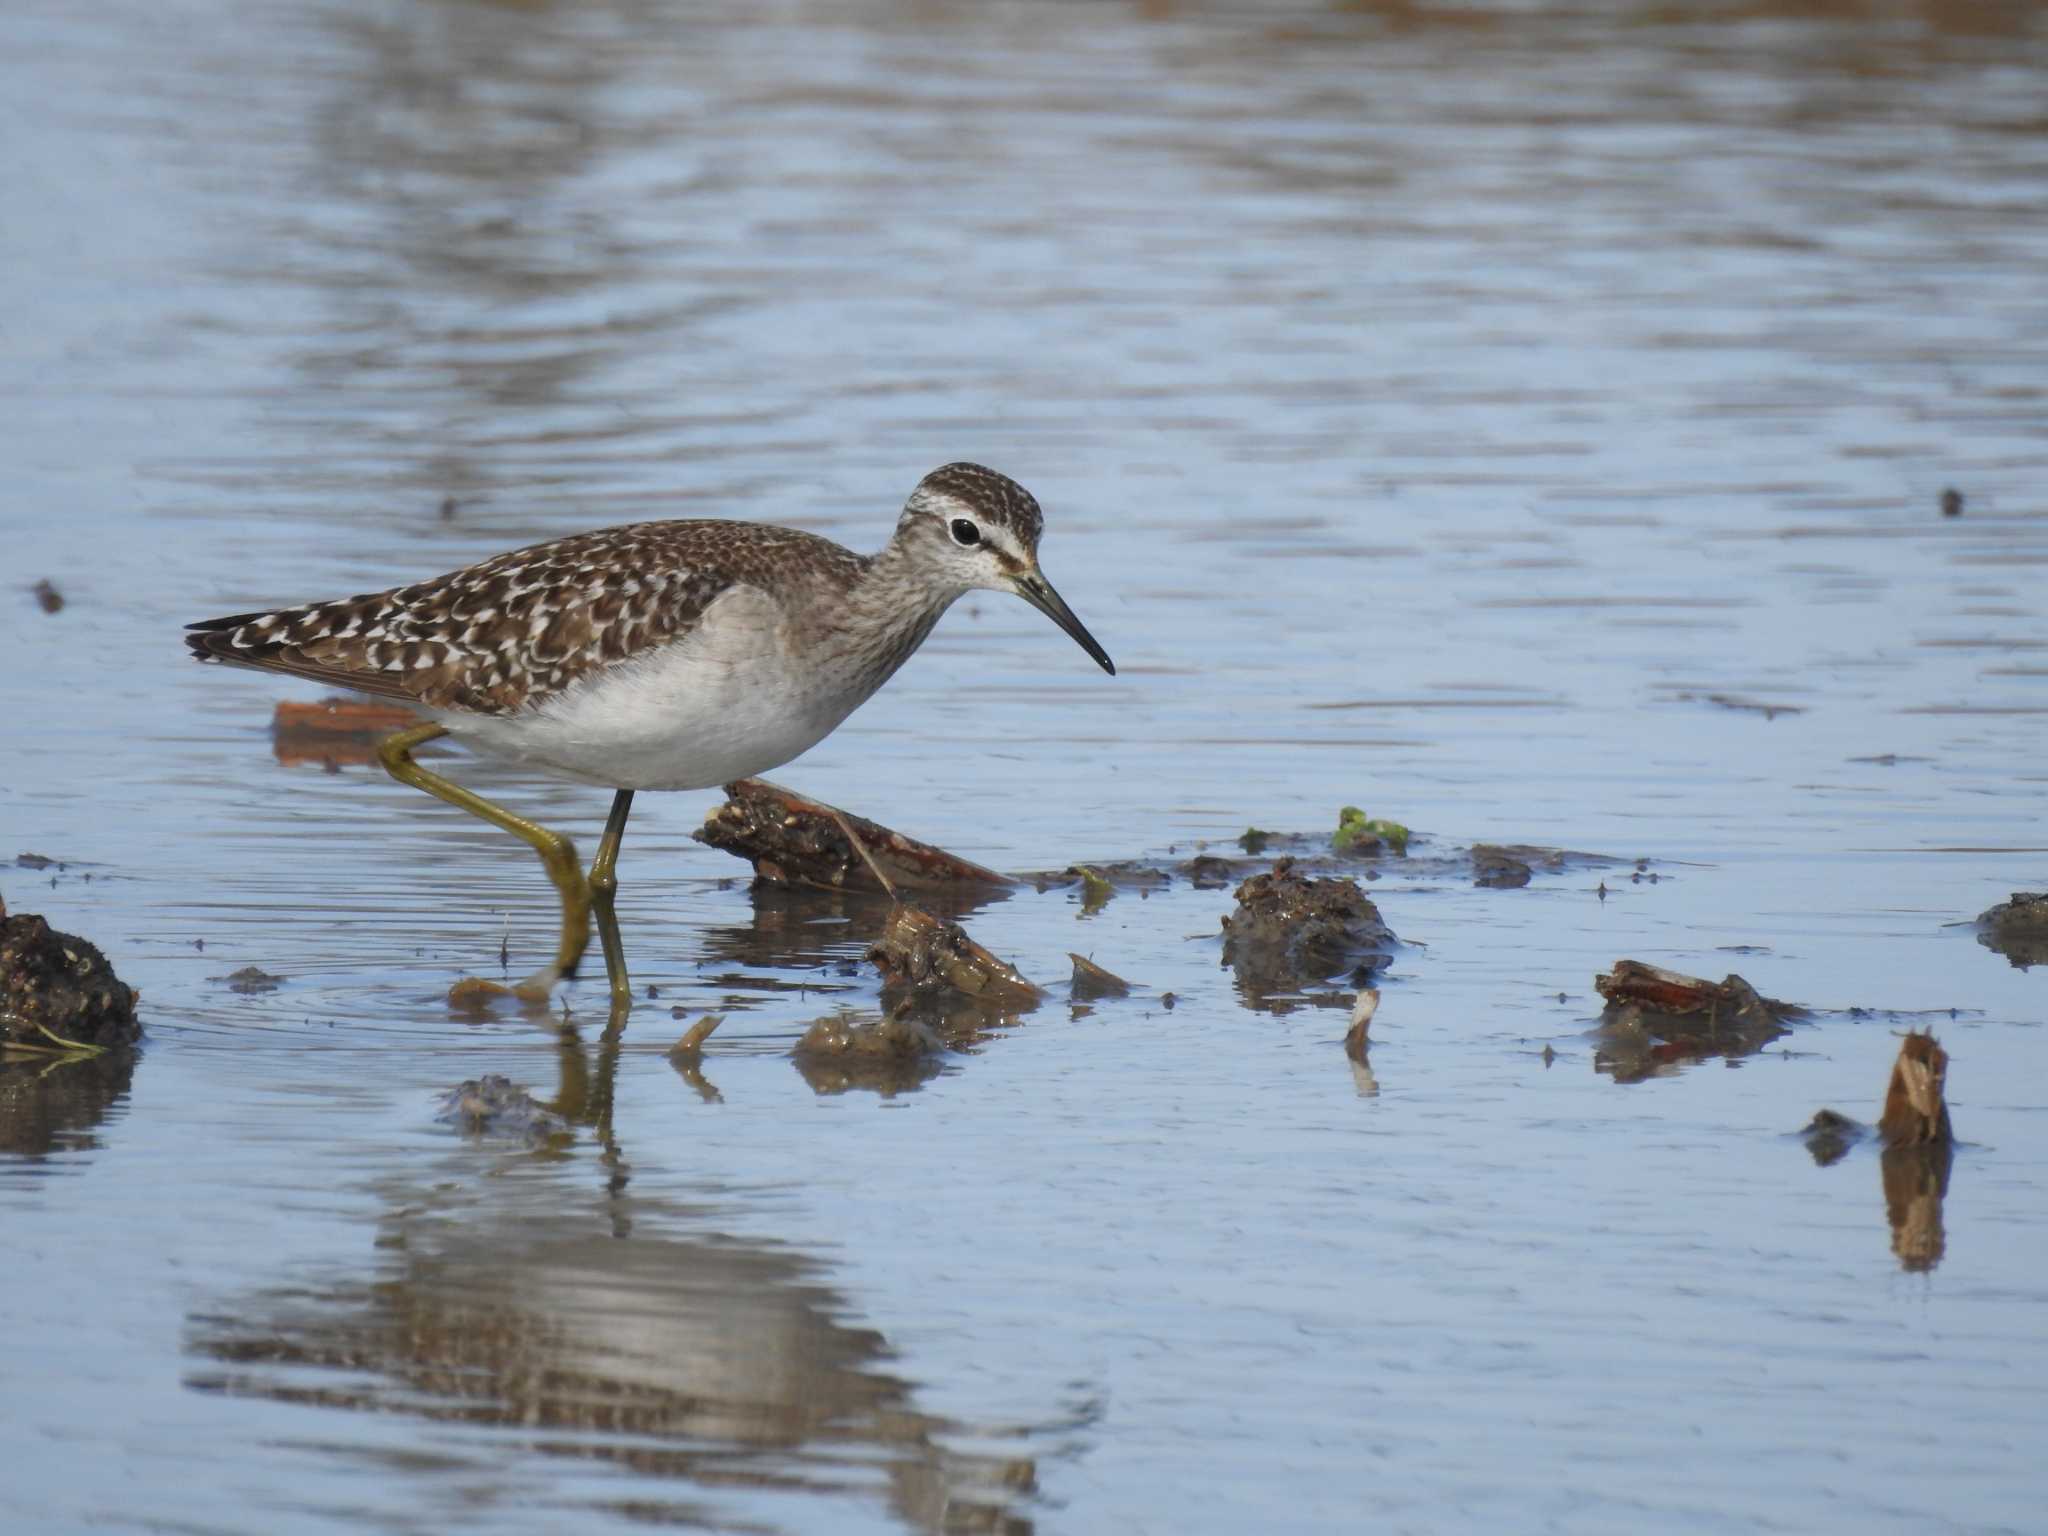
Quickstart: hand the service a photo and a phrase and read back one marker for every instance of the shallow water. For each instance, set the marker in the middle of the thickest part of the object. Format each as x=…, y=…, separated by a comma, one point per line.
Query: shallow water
x=1436, y=411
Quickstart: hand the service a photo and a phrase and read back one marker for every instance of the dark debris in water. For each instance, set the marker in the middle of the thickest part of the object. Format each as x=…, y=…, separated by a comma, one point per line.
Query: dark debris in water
x=690, y=1048
x=1091, y=982
x=1919, y=1148
x=1292, y=930
x=791, y=839
x=1916, y=1099
x=47, y=597
x=1313, y=854
x=494, y=1106
x=1829, y=1135
x=1498, y=869
x=1656, y=1020
x=2017, y=929
x=250, y=981
x=58, y=993
x=921, y=956
x=845, y=1052
x=1741, y=704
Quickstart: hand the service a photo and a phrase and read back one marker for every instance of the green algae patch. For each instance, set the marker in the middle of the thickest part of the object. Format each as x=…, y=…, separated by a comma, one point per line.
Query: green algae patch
x=1359, y=833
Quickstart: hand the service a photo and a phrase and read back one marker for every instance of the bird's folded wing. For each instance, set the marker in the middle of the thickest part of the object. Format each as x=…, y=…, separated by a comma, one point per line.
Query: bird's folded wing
x=500, y=635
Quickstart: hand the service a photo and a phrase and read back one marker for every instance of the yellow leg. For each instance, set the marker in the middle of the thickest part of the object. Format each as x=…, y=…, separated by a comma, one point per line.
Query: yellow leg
x=604, y=889
x=556, y=852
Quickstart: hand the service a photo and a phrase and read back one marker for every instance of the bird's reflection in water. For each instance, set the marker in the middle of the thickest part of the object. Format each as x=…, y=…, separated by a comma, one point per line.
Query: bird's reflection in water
x=669, y=1354
x=622, y=1332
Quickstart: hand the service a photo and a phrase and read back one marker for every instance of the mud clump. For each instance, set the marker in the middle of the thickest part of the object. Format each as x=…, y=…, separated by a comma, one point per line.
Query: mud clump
x=844, y=1036
x=1497, y=869
x=887, y=1056
x=1656, y=1019
x=250, y=981
x=2017, y=929
x=922, y=958
x=1830, y=1134
x=58, y=992
x=1289, y=929
x=494, y=1106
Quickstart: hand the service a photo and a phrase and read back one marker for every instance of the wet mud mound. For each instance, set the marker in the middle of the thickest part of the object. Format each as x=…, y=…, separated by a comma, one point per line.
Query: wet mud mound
x=1657, y=1020
x=2017, y=929
x=1291, y=930
x=57, y=992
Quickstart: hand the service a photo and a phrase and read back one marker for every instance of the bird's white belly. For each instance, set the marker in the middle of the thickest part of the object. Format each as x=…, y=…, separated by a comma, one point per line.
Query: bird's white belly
x=723, y=702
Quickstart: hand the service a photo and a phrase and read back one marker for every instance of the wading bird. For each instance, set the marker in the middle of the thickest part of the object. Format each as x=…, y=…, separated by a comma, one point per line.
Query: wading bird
x=665, y=655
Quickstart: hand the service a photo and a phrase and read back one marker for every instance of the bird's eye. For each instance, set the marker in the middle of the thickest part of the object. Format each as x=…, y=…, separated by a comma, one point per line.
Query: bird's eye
x=965, y=532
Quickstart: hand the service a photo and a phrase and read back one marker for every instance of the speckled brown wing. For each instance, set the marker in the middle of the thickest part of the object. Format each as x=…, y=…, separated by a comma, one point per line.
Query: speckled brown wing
x=497, y=636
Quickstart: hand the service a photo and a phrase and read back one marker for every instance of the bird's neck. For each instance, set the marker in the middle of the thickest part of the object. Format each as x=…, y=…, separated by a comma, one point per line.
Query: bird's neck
x=887, y=612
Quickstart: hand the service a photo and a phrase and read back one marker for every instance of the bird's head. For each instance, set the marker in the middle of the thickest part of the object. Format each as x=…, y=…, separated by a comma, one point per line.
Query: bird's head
x=978, y=529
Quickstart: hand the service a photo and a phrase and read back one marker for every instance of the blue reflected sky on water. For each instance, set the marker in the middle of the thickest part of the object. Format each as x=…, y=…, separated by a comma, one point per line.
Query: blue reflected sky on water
x=1445, y=411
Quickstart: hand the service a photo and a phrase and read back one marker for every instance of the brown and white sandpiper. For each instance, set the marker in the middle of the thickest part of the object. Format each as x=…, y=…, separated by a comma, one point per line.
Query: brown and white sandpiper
x=665, y=655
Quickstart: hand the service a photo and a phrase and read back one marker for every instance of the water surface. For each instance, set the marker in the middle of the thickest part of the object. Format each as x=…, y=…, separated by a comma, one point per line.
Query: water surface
x=1462, y=412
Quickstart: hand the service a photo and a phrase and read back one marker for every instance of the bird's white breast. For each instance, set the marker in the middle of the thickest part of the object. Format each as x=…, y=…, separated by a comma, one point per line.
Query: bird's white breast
x=726, y=700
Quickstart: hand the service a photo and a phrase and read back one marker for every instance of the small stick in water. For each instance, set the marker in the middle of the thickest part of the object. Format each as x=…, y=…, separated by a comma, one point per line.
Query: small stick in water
x=867, y=858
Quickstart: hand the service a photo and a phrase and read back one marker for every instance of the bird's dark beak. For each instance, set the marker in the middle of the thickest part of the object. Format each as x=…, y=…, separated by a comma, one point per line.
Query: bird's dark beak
x=1038, y=592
